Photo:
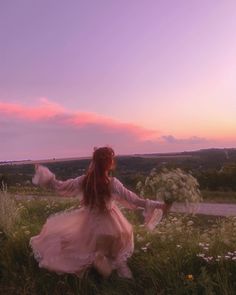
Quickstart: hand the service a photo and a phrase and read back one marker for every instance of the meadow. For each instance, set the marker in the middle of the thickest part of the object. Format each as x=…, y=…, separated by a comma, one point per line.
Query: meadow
x=184, y=255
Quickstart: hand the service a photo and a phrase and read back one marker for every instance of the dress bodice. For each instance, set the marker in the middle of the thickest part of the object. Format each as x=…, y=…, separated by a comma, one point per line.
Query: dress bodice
x=73, y=187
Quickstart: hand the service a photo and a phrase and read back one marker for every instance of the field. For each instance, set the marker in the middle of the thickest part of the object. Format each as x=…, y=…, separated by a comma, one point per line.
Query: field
x=184, y=255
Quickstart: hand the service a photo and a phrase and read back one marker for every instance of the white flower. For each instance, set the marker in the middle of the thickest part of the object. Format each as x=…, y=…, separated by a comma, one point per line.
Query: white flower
x=210, y=257
x=172, y=185
x=201, y=255
x=139, y=238
x=190, y=222
x=144, y=249
x=234, y=258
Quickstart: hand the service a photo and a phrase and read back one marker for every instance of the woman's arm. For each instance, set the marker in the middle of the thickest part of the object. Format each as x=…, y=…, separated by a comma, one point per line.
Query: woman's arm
x=45, y=178
x=124, y=196
x=151, y=213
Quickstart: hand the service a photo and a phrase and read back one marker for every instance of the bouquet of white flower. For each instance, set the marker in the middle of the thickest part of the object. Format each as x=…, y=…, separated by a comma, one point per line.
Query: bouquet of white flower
x=171, y=186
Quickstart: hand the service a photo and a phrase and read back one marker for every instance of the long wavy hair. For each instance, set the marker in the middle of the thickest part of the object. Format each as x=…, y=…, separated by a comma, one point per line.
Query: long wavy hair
x=96, y=183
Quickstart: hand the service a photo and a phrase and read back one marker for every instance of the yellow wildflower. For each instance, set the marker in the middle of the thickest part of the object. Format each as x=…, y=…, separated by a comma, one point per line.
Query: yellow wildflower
x=189, y=277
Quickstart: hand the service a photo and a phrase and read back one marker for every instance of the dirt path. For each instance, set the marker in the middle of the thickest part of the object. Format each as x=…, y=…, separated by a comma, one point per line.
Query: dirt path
x=216, y=209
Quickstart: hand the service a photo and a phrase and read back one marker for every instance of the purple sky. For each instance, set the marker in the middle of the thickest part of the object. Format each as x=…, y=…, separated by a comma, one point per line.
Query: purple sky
x=141, y=76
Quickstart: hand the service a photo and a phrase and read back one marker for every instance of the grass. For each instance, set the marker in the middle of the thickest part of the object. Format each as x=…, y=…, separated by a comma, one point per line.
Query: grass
x=219, y=196
x=184, y=255
x=208, y=196
x=30, y=190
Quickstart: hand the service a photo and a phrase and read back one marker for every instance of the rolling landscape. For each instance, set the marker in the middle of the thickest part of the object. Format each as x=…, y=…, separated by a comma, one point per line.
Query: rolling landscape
x=215, y=169
x=151, y=82
x=204, y=244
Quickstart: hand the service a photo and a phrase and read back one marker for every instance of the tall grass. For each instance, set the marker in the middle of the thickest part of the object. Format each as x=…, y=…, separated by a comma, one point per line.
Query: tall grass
x=184, y=255
x=9, y=212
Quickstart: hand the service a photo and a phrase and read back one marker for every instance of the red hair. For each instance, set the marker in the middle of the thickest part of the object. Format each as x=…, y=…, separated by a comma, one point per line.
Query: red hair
x=96, y=183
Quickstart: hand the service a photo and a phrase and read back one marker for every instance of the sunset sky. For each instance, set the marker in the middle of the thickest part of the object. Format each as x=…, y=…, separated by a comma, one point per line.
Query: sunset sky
x=142, y=76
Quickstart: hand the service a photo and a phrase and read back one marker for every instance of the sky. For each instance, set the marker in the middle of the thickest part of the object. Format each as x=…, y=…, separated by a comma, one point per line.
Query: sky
x=142, y=76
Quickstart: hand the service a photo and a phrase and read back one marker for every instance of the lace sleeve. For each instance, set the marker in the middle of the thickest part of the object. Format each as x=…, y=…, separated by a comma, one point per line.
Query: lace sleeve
x=153, y=210
x=125, y=196
x=45, y=178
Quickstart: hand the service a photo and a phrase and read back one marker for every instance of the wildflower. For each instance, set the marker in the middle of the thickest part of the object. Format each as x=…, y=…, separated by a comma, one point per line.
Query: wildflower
x=190, y=223
x=201, y=255
x=139, y=238
x=175, y=185
x=144, y=249
x=27, y=232
x=210, y=258
x=234, y=258
x=178, y=246
x=189, y=277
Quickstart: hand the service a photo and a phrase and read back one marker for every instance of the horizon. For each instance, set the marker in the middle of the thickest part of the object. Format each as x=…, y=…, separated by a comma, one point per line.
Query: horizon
x=157, y=154
x=144, y=78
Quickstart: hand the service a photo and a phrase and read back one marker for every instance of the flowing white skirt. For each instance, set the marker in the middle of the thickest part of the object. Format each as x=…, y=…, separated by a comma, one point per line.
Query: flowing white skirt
x=69, y=241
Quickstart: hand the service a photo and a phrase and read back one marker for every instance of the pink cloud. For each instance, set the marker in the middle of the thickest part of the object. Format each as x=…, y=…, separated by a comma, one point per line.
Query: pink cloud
x=50, y=110
x=81, y=119
x=48, y=130
x=45, y=110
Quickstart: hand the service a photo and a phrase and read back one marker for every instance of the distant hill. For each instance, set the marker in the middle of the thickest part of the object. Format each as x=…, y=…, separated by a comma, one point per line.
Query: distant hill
x=214, y=168
x=225, y=153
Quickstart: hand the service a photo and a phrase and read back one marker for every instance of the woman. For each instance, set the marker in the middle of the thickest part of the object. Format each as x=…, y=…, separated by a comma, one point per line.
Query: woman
x=96, y=235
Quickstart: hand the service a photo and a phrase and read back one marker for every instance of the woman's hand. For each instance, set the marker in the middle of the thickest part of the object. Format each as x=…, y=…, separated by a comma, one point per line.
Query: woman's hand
x=166, y=208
